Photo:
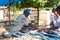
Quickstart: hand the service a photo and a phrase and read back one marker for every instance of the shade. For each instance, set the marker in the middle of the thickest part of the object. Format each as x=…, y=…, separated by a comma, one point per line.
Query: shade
x=5, y=2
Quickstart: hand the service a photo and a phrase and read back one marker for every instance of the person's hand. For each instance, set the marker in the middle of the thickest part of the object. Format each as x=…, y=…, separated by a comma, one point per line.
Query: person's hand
x=23, y=28
x=41, y=29
x=32, y=26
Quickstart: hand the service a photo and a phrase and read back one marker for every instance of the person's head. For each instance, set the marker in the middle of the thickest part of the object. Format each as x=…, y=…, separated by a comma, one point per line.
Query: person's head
x=26, y=12
x=54, y=11
x=58, y=10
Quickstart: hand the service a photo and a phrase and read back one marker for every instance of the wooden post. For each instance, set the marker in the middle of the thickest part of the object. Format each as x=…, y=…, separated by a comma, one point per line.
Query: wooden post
x=38, y=15
x=13, y=6
x=9, y=12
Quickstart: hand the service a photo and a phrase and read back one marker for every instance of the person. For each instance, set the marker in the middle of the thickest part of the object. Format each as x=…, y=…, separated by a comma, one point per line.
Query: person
x=21, y=21
x=56, y=19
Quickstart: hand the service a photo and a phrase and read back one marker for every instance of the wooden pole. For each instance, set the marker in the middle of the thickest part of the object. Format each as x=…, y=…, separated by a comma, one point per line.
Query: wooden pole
x=9, y=12
x=13, y=6
x=38, y=16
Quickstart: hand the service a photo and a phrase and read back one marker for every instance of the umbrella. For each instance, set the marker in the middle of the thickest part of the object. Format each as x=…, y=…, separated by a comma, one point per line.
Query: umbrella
x=8, y=2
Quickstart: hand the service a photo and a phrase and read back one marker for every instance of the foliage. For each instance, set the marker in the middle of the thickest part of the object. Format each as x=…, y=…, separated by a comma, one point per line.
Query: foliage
x=15, y=7
x=34, y=3
x=51, y=3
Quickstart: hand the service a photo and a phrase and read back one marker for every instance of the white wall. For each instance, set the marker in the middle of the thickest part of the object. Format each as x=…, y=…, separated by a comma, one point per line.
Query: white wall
x=1, y=14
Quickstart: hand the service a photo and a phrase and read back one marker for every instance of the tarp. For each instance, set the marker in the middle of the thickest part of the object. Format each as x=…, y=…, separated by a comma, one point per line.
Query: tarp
x=34, y=35
x=5, y=2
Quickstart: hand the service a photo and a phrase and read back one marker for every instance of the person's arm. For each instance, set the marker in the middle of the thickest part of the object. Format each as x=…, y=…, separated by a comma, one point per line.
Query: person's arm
x=16, y=21
x=53, y=28
x=31, y=25
x=25, y=23
x=51, y=23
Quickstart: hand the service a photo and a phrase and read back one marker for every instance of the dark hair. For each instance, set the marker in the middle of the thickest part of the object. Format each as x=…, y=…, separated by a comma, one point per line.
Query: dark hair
x=54, y=9
x=58, y=8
